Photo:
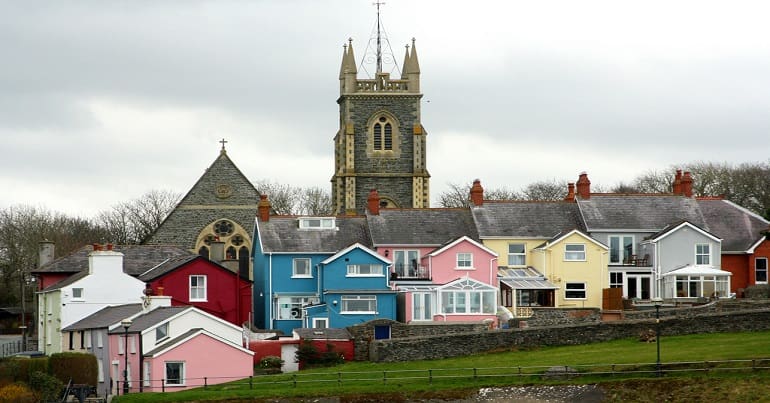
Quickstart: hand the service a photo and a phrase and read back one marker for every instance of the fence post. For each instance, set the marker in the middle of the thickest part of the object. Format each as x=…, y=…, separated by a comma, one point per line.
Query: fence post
x=251, y=381
x=163, y=385
x=294, y=377
x=430, y=376
x=205, y=382
x=474, y=373
x=384, y=376
x=339, y=378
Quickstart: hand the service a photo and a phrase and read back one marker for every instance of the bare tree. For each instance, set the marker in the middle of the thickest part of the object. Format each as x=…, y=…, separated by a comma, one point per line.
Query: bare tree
x=459, y=195
x=131, y=222
x=293, y=200
x=315, y=201
x=551, y=190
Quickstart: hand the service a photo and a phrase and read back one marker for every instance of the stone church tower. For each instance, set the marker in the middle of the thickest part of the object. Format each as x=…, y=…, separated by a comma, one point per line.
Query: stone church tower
x=381, y=141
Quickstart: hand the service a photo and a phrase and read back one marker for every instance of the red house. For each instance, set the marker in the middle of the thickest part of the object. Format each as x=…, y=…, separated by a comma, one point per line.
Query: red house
x=187, y=278
x=197, y=281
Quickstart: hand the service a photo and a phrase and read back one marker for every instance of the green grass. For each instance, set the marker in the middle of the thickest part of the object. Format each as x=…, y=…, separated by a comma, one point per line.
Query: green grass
x=693, y=348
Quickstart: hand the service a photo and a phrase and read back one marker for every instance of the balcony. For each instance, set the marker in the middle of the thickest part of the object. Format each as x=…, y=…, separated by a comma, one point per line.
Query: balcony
x=637, y=261
x=403, y=271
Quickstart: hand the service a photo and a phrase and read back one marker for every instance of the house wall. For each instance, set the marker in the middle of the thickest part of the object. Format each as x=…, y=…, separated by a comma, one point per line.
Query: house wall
x=763, y=250
x=742, y=268
x=335, y=276
x=49, y=337
x=46, y=280
x=203, y=357
x=678, y=249
x=133, y=359
x=500, y=246
x=386, y=309
x=445, y=270
x=192, y=319
x=227, y=295
x=593, y=272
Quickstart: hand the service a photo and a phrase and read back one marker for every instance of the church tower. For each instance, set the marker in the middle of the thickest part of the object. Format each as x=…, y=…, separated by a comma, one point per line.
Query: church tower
x=381, y=141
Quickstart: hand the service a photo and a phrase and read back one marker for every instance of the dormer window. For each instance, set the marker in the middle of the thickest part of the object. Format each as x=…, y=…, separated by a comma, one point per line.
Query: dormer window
x=317, y=223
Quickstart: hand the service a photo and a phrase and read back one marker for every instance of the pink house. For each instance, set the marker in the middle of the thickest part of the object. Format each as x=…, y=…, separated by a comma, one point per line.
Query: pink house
x=175, y=348
x=463, y=285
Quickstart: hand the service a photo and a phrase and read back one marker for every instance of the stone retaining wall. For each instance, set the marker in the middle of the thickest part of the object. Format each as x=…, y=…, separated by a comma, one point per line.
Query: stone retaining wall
x=454, y=345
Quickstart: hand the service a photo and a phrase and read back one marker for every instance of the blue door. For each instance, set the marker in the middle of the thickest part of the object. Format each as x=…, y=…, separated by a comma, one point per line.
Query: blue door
x=381, y=332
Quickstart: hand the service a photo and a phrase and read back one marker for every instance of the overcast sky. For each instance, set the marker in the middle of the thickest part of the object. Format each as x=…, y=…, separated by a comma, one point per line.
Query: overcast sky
x=102, y=101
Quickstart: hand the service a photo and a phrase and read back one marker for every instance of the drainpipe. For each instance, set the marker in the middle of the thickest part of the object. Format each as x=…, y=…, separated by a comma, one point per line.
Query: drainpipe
x=269, y=295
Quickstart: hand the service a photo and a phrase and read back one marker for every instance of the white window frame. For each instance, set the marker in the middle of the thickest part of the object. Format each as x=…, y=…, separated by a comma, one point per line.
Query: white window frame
x=121, y=344
x=464, y=261
x=295, y=273
x=700, y=256
x=317, y=223
x=133, y=343
x=616, y=282
x=181, y=373
x=146, y=374
x=514, y=255
x=100, y=371
x=320, y=323
x=347, y=300
x=757, y=270
x=294, y=305
x=79, y=291
x=88, y=339
x=427, y=307
x=99, y=340
x=583, y=289
x=574, y=255
x=622, y=258
x=198, y=288
x=161, y=332
x=402, y=263
x=365, y=270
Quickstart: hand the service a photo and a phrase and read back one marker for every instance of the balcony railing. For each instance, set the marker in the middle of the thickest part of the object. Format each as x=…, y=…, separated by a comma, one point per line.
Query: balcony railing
x=409, y=272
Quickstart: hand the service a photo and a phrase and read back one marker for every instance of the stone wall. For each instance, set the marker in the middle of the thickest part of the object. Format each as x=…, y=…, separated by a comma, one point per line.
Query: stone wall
x=558, y=316
x=454, y=345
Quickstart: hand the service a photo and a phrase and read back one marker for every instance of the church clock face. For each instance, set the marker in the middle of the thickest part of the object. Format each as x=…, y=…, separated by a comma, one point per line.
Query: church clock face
x=223, y=191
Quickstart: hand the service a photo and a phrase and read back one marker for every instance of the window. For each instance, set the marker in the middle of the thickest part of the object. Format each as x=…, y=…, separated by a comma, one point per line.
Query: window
x=616, y=280
x=317, y=223
x=197, y=288
x=469, y=297
x=77, y=293
x=161, y=332
x=575, y=291
x=383, y=134
x=422, y=306
x=301, y=268
x=359, y=304
x=405, y=262
x=174, y=373
x=575, y=252
x=464, y=260
x=82, y=339
x=700, y=286
x=621, y=249
x=364, y=270
x=146, y=374
x=760, y=270
x=320, y=323
x=224, y=228
x=121, y=344
x=88, y=339
x=291, y=307
x=132, y=343
x=99, y=342
x=72, y=338
x=516, y=254
x=702, y=254
x=99, y=371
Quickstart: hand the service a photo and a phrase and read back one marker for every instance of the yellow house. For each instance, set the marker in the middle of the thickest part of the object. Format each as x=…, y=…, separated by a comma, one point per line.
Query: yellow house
x=577, y=265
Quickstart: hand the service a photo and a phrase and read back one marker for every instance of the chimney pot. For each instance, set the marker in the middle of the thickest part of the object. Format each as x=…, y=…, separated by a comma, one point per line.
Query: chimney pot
x=477, y=193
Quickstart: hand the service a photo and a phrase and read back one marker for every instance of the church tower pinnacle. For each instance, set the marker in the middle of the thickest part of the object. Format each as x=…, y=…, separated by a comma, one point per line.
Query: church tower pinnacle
x=381, y=141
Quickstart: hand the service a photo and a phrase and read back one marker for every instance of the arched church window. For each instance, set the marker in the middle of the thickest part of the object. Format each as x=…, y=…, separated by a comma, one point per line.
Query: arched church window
x=237, y=240
x=382, y=134
x=204, y=252
x=224, y=228
x=210, y=238
x=243, y=252
x=230, y=253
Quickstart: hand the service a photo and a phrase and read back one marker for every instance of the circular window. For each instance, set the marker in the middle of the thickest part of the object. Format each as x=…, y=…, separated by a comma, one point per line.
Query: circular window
x=223, y=228
x=210, y=238
x=236, y=240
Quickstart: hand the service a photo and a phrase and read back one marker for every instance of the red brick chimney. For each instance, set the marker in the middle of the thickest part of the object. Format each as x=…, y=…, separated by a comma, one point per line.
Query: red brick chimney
x=477, y=193
x=677, y=188
x=570, y=192
x=687, y=184
x=584, y=186
x=263, y=208
x=373, y=202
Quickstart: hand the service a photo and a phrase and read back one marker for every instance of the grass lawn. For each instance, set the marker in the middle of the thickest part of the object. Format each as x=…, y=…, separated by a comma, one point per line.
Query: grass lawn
x=451, y=376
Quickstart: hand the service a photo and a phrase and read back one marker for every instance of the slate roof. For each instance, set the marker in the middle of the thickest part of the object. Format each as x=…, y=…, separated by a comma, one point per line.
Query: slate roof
x=643, y=212
x=282, y=234
x=739, y=228
x=434, y=226
x=105, y=317
x=136, y=260
x=151, y=318
x=201, y=206
x=530, y=219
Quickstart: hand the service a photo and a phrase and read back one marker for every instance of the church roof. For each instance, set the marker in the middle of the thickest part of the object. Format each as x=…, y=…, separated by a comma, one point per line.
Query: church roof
x=434, y=226
x=222, y=192
x=526, y=219
x=282, y=234
x=136, y=258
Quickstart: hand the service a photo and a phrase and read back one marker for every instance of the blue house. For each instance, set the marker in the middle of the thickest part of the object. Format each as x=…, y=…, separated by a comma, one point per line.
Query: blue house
x=354, y=289
x=289, y=253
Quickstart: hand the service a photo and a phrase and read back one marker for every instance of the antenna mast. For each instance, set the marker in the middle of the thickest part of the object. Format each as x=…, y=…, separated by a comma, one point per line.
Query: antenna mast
x=379, y=42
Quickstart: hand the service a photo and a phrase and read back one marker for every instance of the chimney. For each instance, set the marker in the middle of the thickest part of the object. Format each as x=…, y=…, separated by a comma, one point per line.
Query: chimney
x=687, y=184
x=570, y=192
x=677, y=188
x=154, y=301
x=584, y=186
x=105, y=261
x=263, y=208
x=217, y=252
x=477, y=193
x=45, y=252
x=373, y=202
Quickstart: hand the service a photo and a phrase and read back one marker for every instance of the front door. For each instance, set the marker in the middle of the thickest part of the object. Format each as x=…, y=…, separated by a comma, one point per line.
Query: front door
x=639, y=286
